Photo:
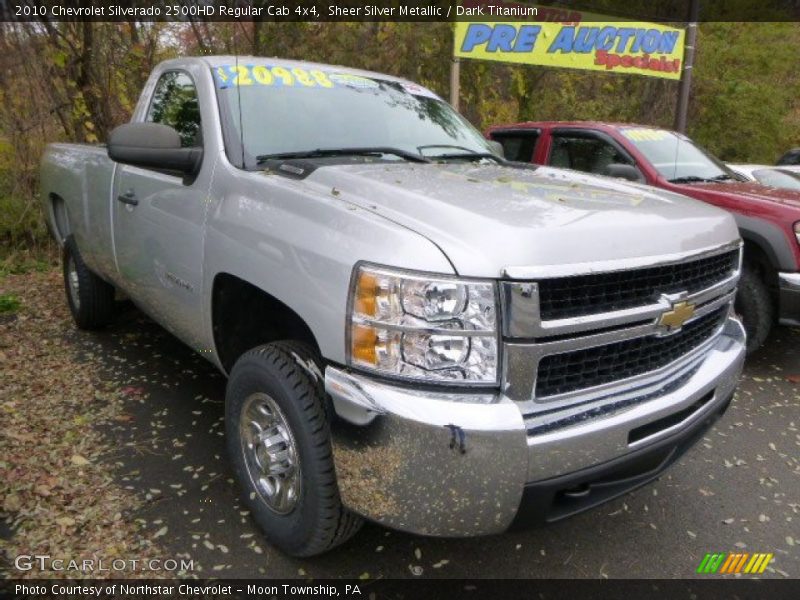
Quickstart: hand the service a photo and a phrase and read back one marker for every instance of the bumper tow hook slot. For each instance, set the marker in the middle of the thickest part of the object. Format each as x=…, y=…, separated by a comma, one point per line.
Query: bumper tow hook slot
x=580, y=491
x=458, y=437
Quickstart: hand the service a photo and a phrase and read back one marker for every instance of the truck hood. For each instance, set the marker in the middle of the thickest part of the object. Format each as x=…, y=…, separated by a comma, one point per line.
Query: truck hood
x=742, y=190
x=487, y=218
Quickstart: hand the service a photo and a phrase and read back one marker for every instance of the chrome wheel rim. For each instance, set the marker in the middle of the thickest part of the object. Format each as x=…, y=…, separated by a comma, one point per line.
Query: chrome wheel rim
x=270, y=453
x=73, y=284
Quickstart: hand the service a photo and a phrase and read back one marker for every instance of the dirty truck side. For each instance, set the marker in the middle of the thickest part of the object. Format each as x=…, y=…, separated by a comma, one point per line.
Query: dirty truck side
x=415, y=331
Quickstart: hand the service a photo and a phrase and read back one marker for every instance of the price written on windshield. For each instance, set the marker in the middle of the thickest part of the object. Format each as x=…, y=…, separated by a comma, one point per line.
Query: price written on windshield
x=247, y=75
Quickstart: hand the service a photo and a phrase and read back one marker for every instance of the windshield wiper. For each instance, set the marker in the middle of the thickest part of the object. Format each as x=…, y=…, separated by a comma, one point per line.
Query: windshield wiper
x=469, y=156
x=324, y=152
x=690, y=179
x=723, y=177
x=451, y=146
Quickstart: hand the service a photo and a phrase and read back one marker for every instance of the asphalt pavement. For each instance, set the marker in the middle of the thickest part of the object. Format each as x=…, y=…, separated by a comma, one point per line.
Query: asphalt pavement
x=738, y=489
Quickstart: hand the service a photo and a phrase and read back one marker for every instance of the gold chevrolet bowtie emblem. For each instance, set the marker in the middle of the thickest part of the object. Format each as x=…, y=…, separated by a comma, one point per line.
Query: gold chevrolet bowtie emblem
x=677, y=316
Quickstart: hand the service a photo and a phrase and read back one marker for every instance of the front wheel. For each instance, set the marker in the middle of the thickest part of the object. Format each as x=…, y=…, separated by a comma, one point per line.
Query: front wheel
x=754, y=304
x=278, y=439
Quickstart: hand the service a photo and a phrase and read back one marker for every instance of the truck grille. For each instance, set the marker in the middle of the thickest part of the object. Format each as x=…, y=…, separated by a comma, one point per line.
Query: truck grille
x=567, y=297
x=588, y=367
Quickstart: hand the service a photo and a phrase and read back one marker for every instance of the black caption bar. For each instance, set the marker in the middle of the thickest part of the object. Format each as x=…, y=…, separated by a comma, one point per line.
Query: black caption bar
x=416, y=589
x=675, y=11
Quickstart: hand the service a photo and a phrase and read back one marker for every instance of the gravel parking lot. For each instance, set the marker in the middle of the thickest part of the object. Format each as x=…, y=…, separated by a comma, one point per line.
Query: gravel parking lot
x=738, y=489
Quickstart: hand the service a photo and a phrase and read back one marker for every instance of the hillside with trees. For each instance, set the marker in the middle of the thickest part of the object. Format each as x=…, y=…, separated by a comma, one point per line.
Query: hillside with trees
x=77, y=81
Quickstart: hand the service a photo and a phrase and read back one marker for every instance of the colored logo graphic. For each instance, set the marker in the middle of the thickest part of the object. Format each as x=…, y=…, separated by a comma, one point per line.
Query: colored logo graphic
x=735, y=562
x=678, y=315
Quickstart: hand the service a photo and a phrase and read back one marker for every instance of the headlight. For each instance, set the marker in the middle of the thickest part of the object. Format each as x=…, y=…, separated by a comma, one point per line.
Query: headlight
x=417, y=326
x=797, y=231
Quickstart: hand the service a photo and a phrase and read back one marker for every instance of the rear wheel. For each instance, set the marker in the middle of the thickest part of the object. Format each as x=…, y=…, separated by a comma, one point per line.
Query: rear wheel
x=754, y=304
x=90, y=298
x=279, y=441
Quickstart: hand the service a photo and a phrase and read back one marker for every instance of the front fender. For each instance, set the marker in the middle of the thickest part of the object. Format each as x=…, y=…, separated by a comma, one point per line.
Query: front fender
x=299, y=243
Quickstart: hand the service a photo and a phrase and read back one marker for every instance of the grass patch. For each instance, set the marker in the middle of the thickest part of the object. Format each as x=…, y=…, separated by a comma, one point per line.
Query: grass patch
x=21, y=220
x=9, y=303
x=19, y=261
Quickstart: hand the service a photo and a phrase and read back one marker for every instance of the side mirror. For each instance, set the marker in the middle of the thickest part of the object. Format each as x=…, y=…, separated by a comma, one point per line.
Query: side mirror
x=153, y=146
x=792, y=157
x=497, y=148
x=623, y=171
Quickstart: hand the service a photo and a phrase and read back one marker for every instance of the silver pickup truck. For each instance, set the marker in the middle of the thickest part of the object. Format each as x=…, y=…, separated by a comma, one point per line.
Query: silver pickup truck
x=415, y=331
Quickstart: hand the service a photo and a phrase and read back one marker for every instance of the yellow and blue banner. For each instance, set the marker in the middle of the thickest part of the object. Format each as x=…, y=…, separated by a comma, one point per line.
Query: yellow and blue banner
x=584, y=41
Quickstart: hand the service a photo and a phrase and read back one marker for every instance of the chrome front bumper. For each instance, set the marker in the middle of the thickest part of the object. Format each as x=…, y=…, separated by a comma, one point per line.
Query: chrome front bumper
x=789, y=289
x=458, y=464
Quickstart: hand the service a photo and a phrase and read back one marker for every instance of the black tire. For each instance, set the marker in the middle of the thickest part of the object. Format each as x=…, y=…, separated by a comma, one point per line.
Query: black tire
x=288, y=373
x=754, y=304
x=90, y=298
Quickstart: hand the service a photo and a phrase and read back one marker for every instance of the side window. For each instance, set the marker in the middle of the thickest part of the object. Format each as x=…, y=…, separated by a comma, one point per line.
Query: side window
x=517, y=146
x=778, y=179
x=584, y=153
x=175, y=104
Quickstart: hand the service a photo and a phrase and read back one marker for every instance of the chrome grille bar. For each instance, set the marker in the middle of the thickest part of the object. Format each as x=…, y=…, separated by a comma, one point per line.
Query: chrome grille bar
x=528, y=339
x=520, y=301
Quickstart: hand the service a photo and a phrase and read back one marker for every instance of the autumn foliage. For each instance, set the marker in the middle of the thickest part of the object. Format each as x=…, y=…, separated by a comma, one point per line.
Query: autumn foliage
x=75, y=81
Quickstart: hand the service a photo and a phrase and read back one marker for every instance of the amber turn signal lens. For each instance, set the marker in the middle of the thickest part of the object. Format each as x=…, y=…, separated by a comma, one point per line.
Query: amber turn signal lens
x=367, y=290
x=364, y=341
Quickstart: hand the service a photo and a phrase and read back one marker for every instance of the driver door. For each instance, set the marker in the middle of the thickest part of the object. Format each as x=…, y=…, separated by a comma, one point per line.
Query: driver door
x=159, y=218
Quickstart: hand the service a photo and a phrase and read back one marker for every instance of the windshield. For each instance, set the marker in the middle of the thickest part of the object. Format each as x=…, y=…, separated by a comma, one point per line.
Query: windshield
x=295, y=110
x=676, y=157
x=778, y=179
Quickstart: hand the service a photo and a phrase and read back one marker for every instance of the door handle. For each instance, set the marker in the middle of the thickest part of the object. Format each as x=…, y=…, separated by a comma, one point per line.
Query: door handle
x=128, y=197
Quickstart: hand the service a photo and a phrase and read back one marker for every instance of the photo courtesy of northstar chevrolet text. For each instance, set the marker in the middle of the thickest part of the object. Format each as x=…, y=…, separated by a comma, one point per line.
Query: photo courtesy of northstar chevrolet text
x=419, y=298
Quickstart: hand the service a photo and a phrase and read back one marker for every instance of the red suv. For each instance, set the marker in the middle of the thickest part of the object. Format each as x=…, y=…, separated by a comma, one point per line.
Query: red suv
x=768, y=218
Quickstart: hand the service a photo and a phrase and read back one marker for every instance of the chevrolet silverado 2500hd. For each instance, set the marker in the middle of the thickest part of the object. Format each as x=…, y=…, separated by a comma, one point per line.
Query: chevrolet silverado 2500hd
x=768, y=217
x=414, y=331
